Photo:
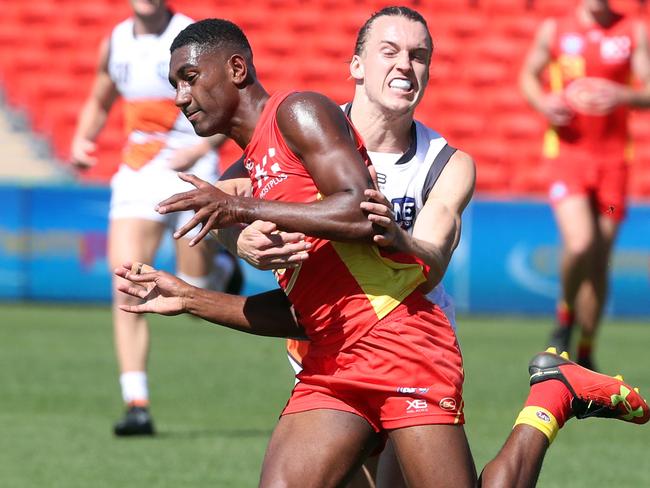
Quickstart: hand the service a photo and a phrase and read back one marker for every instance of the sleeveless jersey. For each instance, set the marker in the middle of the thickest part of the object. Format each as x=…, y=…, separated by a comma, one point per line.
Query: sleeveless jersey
x=139, y=67
x=406, y=180
x=343, y=289
x=579, y=51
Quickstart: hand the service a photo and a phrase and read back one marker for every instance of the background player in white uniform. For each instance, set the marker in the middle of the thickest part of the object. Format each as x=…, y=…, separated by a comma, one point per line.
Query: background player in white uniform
x=134, y=64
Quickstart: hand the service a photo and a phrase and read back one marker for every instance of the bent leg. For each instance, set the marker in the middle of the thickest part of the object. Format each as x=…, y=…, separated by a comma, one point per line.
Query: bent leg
x=434, y=455
x=317, y=448
x=519, y=461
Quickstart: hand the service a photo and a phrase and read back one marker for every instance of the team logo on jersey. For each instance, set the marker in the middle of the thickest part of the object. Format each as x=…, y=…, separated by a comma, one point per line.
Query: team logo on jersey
x=572, y=44
x=615, y=49
x=267, y=173
x=404, y=210
x=120, y=73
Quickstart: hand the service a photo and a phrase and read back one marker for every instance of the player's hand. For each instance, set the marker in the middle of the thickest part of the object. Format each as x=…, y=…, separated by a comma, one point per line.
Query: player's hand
x=213, y=208
x=161, y=292
x=81, y=153
x=556, y=110
x=262, y=245
x=595, y=96
x=380, y=212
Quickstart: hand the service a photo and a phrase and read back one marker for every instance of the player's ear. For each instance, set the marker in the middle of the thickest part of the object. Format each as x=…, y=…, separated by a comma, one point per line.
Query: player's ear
x=356, y=68
x=238, y=69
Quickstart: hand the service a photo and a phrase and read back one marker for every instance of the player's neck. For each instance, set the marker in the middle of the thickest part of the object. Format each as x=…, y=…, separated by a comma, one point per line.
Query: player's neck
x=604, y=17
x=154, y=24
x=381, y=130
x=249, y=110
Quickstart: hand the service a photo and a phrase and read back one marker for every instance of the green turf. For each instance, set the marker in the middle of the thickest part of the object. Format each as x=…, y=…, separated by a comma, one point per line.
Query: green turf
x=216, y=395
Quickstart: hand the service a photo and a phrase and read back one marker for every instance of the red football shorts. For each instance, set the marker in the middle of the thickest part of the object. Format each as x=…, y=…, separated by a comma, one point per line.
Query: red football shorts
x=604, y=181
x=407, y=370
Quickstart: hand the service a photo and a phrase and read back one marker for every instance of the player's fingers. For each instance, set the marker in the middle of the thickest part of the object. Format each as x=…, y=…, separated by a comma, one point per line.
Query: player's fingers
x=299, y=257
x=134, y=291
x=377, y=197
x=289, y=237
x=133, y=308
x=292, y=261
x=176, y=201
x=287, y=250
x=376, y=208
x=193, y=179
x=380, y=220
x=381, y=240
x=205, y=230
x=264, y=226
x=191, y=224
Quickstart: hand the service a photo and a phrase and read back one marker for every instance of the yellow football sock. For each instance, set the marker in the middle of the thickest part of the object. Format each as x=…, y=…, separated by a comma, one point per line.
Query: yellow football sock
x=541, y=419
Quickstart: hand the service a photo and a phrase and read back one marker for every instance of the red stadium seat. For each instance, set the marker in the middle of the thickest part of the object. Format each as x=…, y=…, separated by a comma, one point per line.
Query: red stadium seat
x=488, y=73
x=473, y=98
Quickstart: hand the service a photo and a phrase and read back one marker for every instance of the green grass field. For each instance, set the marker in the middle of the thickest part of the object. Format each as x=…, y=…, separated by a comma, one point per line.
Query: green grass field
x=216, y=395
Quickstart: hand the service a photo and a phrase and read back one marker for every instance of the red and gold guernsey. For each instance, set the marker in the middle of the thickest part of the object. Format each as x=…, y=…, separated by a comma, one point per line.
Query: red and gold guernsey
x=590, y=52
x=343, y=289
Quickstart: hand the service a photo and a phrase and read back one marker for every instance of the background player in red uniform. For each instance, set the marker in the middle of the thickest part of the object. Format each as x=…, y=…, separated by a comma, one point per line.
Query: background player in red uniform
x=591, y=55
x=338, y=396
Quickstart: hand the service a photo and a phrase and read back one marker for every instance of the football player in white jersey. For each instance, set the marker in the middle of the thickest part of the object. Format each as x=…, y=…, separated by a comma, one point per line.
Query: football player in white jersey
x=133, y=64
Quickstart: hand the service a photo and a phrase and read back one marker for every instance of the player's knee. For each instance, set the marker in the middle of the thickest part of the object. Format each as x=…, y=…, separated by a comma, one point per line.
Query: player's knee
x=580, y=249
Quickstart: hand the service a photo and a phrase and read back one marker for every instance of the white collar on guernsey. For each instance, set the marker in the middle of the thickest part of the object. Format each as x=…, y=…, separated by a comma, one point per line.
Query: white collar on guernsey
x=410, y=152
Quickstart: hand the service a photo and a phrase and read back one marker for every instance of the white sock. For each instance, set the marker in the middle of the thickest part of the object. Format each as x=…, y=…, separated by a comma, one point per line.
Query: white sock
x=134, y=386
x=198, y=281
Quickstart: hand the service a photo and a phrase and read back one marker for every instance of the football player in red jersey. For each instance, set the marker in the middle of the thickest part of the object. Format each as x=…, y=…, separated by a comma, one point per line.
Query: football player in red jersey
x=592, y=54
x=350, y=386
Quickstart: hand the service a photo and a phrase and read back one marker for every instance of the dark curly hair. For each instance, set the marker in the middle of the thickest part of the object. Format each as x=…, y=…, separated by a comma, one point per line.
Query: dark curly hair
x=213, y=34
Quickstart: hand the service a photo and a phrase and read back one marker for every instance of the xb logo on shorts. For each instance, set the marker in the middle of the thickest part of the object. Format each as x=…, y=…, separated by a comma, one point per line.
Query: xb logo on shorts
x=417, y=405
x=404, y=210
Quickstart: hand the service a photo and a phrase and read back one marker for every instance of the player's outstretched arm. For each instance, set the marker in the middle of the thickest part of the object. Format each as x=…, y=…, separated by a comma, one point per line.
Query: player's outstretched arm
x=265, y=314
x=317, y=132
x=437, y=229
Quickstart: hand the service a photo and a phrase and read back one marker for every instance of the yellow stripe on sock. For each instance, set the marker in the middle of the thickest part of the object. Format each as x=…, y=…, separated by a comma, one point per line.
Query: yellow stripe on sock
x=541, y=419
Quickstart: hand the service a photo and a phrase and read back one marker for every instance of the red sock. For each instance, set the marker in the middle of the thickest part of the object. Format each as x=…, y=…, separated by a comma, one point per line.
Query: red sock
x=554, y=396
x=564, y=315
x=585, y=346
x=138, y=403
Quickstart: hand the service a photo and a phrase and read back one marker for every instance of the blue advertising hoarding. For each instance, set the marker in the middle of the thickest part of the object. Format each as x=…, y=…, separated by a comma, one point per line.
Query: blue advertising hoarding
x=53, y=247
